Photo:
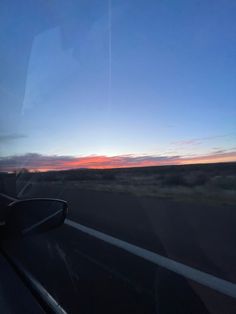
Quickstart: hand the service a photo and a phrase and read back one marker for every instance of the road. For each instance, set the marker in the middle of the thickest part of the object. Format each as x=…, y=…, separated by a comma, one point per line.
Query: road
x=96, y=276
x=200, y=235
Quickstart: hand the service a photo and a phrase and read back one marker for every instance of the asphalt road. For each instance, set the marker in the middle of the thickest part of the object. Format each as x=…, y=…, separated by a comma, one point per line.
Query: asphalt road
x=200, y=235
x=87, y=275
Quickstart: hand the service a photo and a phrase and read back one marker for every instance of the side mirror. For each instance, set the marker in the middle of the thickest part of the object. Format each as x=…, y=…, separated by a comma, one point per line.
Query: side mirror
x=34, y=216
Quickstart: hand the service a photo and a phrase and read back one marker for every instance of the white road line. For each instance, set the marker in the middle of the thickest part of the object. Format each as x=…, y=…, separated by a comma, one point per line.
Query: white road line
x=196, y=275
x=208, y=280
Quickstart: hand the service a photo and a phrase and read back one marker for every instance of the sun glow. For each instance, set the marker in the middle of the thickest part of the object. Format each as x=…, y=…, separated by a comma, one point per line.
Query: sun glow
x=42, y=163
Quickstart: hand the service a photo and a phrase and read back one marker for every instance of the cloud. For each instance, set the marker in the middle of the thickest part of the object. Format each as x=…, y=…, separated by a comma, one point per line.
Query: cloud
x=54, y=162
x=188, y=142
x=10, y=137
x=211, y=158
x=197, y=141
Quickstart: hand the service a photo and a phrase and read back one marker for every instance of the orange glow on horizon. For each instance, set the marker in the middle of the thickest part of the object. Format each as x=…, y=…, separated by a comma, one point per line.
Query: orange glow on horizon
x=224, y=157
x=55, y=163
x=105, y=162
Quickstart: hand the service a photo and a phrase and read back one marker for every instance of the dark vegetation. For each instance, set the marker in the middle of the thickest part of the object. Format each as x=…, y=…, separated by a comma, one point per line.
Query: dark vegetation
x=214, y=180
x=221, y=174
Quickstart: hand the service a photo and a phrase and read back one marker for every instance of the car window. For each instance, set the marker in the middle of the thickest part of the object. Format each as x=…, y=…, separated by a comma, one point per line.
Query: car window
x=126, y=110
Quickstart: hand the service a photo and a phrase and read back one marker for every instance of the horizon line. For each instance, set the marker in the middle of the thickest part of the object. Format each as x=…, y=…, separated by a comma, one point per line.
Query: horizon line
x=43, y=163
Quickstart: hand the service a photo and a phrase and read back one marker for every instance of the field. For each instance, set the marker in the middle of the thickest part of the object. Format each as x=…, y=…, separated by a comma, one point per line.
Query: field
x=214, y=183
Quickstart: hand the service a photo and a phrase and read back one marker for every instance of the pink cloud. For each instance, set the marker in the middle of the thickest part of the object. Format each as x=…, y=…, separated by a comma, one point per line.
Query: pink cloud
x=55, y=162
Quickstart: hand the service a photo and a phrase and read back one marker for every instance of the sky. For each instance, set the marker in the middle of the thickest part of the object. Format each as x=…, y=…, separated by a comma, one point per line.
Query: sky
x=104, y=84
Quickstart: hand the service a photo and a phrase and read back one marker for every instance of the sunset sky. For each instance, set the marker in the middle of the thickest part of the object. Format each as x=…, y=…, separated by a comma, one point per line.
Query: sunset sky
x=115, y=83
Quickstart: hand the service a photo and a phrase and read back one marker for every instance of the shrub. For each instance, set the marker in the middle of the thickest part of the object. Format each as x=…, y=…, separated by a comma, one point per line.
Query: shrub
x=195, y=179
x=173, y=179
x=224, y=182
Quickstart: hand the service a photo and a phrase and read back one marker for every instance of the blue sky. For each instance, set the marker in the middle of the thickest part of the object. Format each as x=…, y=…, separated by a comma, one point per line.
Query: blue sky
x=118, y=77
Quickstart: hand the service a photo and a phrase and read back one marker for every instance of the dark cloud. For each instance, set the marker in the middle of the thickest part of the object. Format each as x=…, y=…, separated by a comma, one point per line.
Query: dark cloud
x=218, y=150
x=197, y=141
x=10, y=137
x=221, y=151
x=32, y=161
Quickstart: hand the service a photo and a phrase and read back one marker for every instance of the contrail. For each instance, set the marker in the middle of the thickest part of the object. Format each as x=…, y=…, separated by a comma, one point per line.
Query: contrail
x=109, y=52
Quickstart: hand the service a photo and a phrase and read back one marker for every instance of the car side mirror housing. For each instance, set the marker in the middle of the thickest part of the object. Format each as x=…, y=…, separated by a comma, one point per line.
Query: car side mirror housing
x=35, y=215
